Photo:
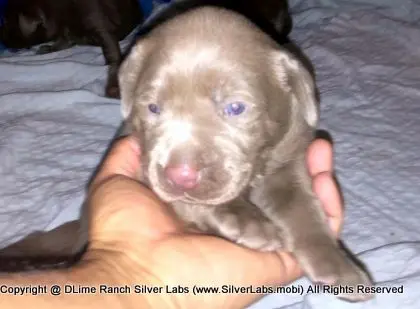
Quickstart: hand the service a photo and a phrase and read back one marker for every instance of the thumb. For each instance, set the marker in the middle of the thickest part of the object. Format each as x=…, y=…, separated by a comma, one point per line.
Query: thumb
x=120, y=207
x=122, y=159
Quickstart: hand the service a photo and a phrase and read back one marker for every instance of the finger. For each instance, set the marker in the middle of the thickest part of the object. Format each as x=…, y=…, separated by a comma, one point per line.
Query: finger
x=327, y=191
x=320, y=157
x=122, y=159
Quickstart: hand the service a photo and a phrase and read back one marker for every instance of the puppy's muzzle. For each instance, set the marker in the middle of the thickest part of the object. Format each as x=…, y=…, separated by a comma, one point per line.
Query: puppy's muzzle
x=201, y=170
x=183, y=176
x=192, y=170
x=186, y=168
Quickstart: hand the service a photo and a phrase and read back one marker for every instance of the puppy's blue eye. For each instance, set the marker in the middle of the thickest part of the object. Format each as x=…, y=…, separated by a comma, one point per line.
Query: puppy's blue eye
x=234, y=109
x=154, y=108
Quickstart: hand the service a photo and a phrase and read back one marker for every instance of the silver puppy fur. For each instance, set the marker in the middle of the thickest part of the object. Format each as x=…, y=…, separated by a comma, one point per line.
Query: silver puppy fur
x=224, y=116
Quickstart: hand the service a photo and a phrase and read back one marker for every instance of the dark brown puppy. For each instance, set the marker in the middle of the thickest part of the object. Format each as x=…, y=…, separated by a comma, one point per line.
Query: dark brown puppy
x=68, y=22
x=104, y=23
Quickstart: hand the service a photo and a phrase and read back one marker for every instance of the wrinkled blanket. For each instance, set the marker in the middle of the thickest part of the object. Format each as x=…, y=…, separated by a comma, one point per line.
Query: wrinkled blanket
x=55, y=125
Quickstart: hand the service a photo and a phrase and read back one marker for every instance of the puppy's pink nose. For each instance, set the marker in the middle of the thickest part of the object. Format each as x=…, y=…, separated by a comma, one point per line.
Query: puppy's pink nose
x=184, y=176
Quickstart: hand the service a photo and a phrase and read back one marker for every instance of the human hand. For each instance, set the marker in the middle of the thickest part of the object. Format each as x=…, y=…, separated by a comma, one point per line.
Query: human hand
x=136, y=239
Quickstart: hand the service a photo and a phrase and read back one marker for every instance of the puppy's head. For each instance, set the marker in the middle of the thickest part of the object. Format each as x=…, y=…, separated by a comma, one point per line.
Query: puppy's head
x=24, y=25
x=207, y=93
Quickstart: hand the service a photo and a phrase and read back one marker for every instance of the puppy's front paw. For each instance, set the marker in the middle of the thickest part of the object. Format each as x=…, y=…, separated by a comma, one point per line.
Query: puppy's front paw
x=243, y=223
x=356, y=279
x=261, y=236
x=331, y=266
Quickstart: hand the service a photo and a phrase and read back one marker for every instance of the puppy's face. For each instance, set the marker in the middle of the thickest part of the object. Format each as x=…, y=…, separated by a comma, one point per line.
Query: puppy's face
x=201, y=125
x=202, y=107
x=23, y=26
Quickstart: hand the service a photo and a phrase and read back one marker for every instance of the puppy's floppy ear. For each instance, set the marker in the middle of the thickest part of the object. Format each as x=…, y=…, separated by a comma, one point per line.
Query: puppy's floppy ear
x=129, y=76
x=29, y=24
x=295, y=79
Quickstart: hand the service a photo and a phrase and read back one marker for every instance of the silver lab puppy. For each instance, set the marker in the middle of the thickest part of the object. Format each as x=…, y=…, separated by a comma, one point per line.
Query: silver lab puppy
x=224, y=117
